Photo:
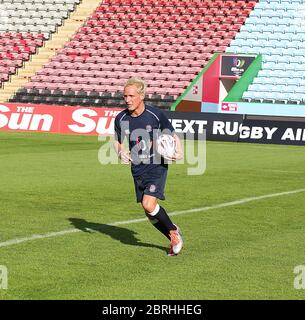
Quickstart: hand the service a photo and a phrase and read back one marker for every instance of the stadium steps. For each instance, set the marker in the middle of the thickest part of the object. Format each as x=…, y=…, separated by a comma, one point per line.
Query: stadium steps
x=44, y=54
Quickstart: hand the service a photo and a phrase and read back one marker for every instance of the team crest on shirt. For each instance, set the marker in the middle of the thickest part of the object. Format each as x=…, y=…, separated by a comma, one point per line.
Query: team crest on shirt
x=148, y=128
x=152, y=188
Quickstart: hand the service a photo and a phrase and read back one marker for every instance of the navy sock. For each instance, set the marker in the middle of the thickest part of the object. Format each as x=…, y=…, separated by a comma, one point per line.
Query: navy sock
x=162, y=222
x=158, y=225
x=165, y=219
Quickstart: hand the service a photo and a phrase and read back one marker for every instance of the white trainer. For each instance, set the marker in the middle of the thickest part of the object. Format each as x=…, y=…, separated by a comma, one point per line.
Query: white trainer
x=176, y=241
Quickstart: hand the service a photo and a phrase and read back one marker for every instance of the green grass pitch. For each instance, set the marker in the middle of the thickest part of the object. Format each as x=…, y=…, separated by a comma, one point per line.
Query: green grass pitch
x=51, y=183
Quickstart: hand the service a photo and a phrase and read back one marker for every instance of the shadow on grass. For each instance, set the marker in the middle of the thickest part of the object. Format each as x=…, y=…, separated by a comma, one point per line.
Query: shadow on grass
x=123, y=235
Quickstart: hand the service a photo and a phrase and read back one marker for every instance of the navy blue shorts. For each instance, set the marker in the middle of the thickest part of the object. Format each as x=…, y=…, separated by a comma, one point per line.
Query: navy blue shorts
x=151, y=183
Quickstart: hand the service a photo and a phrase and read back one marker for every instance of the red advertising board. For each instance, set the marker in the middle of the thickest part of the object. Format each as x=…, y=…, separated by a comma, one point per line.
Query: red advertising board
x=57, y=119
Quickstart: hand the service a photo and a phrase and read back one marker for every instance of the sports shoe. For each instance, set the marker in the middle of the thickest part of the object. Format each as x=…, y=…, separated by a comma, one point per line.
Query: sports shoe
x=176, y=242
x=170, y=252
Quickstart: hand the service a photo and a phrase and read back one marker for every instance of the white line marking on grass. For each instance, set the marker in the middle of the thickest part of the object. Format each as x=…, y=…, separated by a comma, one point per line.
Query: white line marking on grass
x=281, y=171
x=174, y=213
x=236, y=202
x=260, y=146
x=37, y=236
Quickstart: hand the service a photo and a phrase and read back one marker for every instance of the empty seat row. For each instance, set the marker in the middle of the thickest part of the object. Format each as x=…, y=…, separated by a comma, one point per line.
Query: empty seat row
x=44, y=2
x=264, y=43
x=271, y=28
x=295, y=82
x=35, y=14
x=180, y=3
x=250, y=36
x=82, y=97
x=276, y=88
x=274, y=97
x=38, y=6
x=275, y=14
x=276, y=5
x=20, y=36
x=281, y=73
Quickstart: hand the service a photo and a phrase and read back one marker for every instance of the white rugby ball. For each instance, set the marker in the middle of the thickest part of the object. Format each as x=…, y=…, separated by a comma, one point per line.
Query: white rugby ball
x=166, y=145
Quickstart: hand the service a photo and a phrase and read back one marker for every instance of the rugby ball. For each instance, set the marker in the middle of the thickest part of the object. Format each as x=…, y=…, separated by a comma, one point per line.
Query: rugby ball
x=166, y=145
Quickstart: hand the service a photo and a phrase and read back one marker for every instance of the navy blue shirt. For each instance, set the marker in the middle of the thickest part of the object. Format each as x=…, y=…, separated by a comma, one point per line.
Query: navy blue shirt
x=141, y=132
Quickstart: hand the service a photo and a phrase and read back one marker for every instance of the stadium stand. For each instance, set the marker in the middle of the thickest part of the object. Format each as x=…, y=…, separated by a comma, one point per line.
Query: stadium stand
x=75, y=20
x=275, y=29
x=25, y=26
x=166, y=42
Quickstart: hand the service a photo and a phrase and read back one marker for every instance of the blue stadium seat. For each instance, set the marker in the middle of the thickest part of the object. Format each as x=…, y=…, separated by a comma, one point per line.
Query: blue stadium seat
x=252, y=96
x=298, y=98
x=300, y=90
x=247, y=96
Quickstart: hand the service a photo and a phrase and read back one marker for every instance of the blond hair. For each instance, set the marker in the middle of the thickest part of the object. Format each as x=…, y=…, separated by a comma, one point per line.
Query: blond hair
x=138, y=82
